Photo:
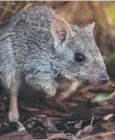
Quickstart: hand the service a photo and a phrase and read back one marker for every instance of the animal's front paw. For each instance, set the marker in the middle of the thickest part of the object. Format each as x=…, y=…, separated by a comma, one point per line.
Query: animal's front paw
x=51, y=92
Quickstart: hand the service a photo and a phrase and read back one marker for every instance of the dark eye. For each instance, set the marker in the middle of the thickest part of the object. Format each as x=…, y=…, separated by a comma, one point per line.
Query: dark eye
x=79, y=57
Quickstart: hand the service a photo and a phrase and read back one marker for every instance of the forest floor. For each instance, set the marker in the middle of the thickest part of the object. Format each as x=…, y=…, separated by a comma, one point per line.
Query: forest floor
x=82, y=116
x=79, y=117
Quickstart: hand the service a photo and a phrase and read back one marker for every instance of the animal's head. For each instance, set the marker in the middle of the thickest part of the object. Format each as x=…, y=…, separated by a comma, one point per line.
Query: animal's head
x=79, y=56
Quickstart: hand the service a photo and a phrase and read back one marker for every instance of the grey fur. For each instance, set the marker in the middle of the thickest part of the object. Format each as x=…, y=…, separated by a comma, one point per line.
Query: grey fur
x=31, y=56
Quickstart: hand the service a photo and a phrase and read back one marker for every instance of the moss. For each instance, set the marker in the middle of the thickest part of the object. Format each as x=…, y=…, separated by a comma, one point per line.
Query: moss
x=111, y=11
x=110, y=58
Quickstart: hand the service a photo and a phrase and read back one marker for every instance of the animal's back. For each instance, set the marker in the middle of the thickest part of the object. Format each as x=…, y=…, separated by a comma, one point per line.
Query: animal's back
x=31, y=34
x=6, y=54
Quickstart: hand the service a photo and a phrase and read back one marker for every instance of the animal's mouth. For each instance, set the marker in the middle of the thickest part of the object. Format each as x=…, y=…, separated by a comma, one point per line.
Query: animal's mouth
x=92, y=79
x=97, y=82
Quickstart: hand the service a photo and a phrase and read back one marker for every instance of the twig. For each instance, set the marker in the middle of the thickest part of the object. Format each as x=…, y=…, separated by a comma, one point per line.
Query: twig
x=104, y=134
x=4, y=37
x=57, y=136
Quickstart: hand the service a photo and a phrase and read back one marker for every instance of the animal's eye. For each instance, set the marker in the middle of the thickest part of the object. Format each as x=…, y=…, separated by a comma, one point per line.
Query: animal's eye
x=79, y=57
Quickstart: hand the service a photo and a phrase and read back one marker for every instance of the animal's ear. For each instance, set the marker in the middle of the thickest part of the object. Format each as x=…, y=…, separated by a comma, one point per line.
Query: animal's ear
x=60, y=30
x=90, y=28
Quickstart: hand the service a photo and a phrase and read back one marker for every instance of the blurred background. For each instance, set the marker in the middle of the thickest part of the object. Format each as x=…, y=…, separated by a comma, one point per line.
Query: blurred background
x=80, y=13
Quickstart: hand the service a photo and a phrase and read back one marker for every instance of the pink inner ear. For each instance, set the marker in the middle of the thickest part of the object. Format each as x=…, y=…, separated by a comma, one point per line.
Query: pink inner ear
x=62, y=34
x=60, y=30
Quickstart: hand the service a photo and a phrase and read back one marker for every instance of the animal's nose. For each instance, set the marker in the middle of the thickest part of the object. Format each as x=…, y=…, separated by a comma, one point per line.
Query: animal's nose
x=104, y=77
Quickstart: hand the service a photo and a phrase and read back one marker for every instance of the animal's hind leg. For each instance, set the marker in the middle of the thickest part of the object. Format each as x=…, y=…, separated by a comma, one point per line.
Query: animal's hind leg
x=13, y=114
